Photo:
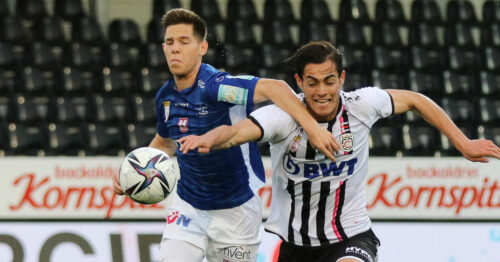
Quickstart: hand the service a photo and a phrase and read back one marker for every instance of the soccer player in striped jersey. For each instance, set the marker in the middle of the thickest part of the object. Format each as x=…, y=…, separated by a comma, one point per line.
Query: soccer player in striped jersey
x=215, y=212
x=318, y=206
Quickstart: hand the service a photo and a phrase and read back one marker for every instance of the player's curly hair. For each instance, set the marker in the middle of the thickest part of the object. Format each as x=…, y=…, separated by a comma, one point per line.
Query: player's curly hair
x=183, y=16
x=315, y=52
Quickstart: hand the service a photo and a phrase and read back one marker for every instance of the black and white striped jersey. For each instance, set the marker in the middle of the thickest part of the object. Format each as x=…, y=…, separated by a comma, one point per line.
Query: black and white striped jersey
x=315, y=201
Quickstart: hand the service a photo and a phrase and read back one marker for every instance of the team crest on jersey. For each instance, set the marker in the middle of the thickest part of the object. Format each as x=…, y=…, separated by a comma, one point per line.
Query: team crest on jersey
x=347, y=142
x=166, y=107
x=183, y=124
x=295, y=143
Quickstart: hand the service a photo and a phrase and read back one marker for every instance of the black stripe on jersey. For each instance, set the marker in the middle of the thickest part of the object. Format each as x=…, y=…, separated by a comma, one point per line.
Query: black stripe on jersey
x=260, y=127
x=306, y=210
x=291, y=190
x=320, y=216
x=392, y=103
x=339, y=211
x=310, y=151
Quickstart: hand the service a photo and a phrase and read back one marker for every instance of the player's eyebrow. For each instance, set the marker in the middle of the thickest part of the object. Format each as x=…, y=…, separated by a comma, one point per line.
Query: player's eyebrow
x=326, y=78
x=181, y=38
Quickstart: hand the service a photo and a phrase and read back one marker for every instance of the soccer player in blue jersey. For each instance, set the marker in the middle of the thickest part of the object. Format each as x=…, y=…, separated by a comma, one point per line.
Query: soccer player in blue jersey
x=216, y=213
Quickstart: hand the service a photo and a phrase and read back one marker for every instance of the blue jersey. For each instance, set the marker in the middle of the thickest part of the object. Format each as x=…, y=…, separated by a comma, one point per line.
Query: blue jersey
x=225, y=178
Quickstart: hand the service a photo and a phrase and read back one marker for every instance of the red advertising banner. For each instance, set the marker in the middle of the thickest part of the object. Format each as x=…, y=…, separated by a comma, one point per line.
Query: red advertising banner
x=406, y=188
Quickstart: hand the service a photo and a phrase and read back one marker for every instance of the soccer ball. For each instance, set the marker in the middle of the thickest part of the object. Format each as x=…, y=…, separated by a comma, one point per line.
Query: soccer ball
x=147, y=175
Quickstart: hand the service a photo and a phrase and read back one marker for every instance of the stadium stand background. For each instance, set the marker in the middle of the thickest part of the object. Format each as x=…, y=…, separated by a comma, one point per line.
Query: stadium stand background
x=79, y=77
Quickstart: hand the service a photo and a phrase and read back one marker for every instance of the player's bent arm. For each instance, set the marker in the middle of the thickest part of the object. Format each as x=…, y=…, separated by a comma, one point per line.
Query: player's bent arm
x=282, y=95
x=474, y=150
x=165, y=144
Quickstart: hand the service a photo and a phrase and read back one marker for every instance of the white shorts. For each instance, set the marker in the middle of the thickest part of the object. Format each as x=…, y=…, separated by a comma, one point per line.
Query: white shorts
x=214, y=228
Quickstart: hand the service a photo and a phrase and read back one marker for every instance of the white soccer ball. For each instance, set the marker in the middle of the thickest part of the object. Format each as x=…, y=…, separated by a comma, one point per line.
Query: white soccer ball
x=147, y=175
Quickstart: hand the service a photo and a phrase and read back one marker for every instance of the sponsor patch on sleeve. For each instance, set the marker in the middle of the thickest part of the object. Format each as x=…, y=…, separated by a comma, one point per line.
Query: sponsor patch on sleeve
x=232, y=94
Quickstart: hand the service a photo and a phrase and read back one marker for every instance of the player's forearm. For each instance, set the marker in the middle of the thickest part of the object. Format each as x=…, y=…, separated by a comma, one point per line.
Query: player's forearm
x=436, y=116
x=165, y=144
x=220, y=137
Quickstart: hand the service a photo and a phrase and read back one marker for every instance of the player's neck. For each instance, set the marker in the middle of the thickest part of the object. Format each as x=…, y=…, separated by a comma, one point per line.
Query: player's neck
x=186, y=81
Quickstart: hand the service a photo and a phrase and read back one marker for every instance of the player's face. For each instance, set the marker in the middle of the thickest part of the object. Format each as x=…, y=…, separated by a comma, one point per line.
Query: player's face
x=183, y=49
x=321, y=85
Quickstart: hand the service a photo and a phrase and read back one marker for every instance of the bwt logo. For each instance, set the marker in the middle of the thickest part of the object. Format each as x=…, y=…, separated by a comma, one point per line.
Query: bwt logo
x=174, y=217
x=312, y=170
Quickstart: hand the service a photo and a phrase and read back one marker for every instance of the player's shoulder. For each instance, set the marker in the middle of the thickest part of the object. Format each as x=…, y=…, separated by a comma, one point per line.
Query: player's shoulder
x=362, y=96
x=163, y=91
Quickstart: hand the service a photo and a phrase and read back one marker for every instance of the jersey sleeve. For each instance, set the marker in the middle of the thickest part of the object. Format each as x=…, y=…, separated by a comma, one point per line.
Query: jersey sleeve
x=232, y=90
x=369, y=104
x=274, y=123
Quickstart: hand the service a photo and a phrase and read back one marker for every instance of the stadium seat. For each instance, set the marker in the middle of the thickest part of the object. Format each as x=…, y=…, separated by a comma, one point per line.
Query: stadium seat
x=241, y=10
x=317, y=31
x=427, y=83
x=355, y=81
x=491, y=133
x=7, y=113
x=13, y=31
x=426, y=59
x=37, y=81
x=66, y=139
x=420, y=140
x=491, y=12
x=140, y=135
x=69, y=10
x=8, y=81
x=315, y=10
x=152, y=54
x=109, y=109
x=278, y=33
x=424, y=34
x=87, y=30
x=4, y=9
x=462, y=59
x=460, y=11
x=44, y=56
x=387, y=80
x=73, y=109
x=278, y=10
x=489, y=110
x=351, y=34
x=491, y=58
x=448, y=149
x=384, y=140
x=490, y=84
x=241, y=59
x=124, y=31
x=208, y=9
x=425, y=11
x=386, y=34
x=152, y=80
x=459, y=84
x=390, y=59
x=490, y=34
x=144, y=109
x=461, y=111
x=37, y=109
x=459, y=35
x=155, y=33
x=240, y=33
x=49, y=30
x=31, y=10
x=353, y=10
x=28, y=139
x=124, y=56
x=8, y=57
x=355, y=59
x=389, y=11
x=119, y=82
x=78, y=81
x=83, y=56
x=160, y=7
x=274, y=57
x=105, y=139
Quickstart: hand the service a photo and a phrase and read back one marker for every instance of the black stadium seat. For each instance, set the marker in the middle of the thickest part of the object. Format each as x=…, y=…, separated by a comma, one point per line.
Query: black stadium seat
x=160, y=7
x=50, y=30
x=140, y=135
x=315, y=10
x=353, y=10
x=386, y=34
x=490, y=84
x=87, y=30
x=459, y=35
x=385, y=140
x=241, y=10
x=460, y=11
x=420, y=140
x=459, y=84
x=425, y=11
x=278, y=10
x=144, y=109
x=66, y=139
x=104, y=139
x=489, y=110
x=424, y=34
x=69, y=10
x=27, y=139
x=278, y=33
x=151, y=81
x=318, y=31
x=208, y=9
x=389, y=11
x=31, y=10
x=240, y=33
x=490, y=34
x=351, y=34
x=461, y=111
x=124, y=31
x=36, y=109
x=73, y=109
x=491, y=12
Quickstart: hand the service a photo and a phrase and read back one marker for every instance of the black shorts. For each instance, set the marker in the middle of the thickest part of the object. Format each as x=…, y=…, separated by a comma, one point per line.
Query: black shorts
x=363, y=246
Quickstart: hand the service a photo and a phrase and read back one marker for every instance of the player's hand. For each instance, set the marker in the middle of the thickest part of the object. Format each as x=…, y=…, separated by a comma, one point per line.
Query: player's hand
x=323, y=140
x=116, y=184
x=193, y=142
x=477, y=150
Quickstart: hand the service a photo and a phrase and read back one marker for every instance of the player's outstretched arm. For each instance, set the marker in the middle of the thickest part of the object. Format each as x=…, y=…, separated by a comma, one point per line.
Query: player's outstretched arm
x=475, y=150
x=283, y=96
x=222, y=137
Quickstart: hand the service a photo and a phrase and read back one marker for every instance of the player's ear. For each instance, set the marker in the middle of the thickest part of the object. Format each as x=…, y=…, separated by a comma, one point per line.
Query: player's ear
x=342, y=78
x=203, y=47
x=298, y=80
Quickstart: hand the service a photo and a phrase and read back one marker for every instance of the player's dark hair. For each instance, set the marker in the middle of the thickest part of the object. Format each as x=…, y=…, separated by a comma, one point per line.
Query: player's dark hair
x=316, y=53
x=183, y=16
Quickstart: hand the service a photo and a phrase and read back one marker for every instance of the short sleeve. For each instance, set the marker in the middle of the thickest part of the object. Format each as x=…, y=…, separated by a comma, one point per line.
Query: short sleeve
x=234, y=90
x=274, y=123
x=370, y=104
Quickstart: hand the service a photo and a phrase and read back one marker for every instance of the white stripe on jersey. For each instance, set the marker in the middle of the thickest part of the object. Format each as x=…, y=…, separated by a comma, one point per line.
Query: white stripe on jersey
x=300, y=213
